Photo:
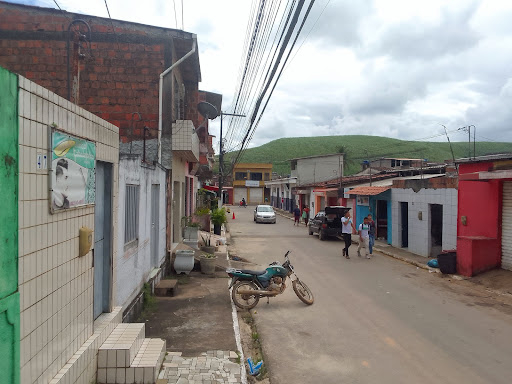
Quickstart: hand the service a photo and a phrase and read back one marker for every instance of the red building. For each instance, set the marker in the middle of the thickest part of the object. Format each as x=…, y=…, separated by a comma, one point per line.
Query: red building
x=484, y=220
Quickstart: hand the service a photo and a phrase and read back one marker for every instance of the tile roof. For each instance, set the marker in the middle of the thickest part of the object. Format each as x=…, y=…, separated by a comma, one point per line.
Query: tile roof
x=368, y=191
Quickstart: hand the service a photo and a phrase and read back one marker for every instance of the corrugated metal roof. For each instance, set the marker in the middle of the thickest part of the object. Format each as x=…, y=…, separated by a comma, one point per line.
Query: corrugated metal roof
x=368, y=191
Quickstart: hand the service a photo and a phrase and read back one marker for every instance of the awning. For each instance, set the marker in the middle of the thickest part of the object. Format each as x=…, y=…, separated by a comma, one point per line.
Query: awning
x=368, y=191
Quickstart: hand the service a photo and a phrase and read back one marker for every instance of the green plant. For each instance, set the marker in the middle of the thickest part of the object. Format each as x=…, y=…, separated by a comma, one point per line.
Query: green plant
x=186, y=221
x=204, y=210
x=208, y=255
x=219, y=216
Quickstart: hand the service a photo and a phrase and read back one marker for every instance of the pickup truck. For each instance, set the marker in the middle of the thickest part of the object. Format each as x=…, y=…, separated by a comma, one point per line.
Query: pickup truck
x=327, y=223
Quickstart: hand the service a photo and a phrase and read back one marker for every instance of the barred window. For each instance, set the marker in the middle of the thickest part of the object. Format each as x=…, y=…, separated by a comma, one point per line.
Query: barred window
x=131, y=222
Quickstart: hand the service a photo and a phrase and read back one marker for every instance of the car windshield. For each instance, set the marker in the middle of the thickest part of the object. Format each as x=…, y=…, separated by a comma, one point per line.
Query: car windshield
x=265, y=209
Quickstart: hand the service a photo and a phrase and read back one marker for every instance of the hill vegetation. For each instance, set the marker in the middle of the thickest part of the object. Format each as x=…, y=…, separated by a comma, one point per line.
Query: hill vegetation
x=359, y=148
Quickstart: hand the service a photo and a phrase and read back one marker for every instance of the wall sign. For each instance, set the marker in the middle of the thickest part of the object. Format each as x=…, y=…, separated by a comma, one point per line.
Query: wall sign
x=363, y=200
x=73, y=172
x=252, y=183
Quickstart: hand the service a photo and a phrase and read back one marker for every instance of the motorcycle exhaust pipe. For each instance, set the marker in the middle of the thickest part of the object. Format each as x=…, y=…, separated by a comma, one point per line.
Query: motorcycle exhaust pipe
x=252, y=292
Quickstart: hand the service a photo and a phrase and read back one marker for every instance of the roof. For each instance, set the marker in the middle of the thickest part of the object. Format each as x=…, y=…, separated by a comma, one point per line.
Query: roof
x=368, y=191
x=479, y=159
x=317, y=156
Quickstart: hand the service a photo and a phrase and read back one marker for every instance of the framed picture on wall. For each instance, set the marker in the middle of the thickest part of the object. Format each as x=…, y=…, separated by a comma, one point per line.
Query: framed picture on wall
x=363, y=200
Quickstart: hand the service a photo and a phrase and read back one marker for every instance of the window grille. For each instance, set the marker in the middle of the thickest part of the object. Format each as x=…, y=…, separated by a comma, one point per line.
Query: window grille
x=131, y=223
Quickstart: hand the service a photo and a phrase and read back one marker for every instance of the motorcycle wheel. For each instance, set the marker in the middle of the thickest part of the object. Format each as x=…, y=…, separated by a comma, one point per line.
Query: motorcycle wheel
x=321, y=235
x=303, y=292
x=310, y=231
x=245, y=301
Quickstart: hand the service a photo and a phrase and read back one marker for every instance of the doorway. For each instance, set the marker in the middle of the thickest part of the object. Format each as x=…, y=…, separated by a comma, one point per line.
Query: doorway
x=382, y=219
x=102, y=239
x=404, y=214
x=155, y=223
x=436, y=229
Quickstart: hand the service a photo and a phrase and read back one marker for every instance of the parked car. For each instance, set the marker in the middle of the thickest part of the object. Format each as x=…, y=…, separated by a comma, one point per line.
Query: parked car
x=264, y=214
x=327, y=223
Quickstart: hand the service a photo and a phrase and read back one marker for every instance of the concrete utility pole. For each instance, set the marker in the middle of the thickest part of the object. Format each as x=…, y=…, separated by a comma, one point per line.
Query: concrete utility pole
x=221, y=156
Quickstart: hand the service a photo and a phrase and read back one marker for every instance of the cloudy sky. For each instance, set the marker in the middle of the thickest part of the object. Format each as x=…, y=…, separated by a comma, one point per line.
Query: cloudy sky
x=397, y=68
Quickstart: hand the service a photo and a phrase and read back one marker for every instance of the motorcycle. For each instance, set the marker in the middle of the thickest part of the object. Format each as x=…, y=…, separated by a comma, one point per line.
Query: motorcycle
x=249, y=286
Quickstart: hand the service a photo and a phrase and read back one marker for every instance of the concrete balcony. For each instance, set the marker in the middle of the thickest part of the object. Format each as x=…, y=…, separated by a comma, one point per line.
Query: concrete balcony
x=185, y=142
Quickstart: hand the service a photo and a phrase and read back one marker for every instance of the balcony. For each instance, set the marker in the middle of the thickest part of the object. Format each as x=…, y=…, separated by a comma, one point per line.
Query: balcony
x=185, y=142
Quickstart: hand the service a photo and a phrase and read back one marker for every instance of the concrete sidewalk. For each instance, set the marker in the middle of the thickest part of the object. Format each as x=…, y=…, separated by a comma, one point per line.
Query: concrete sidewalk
x=498, y=281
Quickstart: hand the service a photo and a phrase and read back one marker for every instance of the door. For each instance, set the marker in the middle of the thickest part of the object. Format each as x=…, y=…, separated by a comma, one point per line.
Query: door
x=382, y=219
x=240, y=192
x=155, y=220
x=404, y=213
x=506, y=227
x=102, y=238
x=256, y=196
x=436, y=229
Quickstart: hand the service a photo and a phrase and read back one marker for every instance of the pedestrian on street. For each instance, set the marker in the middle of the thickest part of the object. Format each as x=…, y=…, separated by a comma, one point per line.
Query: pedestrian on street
x=347, y=228
x=364, y=238
x=371, y=233
x=296, y=215
x=305, y=215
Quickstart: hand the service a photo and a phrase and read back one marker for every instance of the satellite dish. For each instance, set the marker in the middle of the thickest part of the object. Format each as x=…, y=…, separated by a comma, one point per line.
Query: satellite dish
x=207, y=110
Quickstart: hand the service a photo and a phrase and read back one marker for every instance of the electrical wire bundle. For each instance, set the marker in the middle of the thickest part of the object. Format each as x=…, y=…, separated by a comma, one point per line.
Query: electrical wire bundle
x=271, y=35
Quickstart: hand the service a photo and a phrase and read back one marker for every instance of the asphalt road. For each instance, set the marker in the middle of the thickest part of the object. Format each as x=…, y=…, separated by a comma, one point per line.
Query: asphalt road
x=373, y=321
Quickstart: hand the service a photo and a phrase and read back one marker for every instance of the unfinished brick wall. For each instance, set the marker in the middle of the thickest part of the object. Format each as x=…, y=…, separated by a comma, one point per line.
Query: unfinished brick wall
x=118, y=76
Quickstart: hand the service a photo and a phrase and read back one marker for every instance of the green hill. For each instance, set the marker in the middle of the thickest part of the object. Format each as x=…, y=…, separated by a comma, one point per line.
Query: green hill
x=357, y=149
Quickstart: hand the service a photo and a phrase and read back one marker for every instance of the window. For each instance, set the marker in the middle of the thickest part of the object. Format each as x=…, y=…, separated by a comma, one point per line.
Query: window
x=240, y=175
x=131, y=210
x=267, y=176
x=256, y=176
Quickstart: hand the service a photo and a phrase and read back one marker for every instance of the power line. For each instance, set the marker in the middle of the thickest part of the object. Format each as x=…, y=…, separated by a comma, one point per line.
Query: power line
x=58, y=6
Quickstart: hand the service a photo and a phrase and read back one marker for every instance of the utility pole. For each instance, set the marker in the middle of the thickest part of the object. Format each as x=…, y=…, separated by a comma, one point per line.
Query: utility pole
x=221, y=156
x=468, y=130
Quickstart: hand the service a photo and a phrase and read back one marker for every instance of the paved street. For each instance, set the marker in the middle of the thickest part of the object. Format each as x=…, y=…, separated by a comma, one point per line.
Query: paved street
x=373, y=321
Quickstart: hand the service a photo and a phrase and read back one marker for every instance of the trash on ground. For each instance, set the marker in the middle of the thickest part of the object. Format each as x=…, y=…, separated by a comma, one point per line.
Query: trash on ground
x=254, y=370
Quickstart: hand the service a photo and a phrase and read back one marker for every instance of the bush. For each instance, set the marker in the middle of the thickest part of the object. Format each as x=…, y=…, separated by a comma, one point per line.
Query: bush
x=219, y=216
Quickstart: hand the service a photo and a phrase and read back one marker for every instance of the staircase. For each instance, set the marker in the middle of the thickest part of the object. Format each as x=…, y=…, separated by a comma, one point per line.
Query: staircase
x=127, y=357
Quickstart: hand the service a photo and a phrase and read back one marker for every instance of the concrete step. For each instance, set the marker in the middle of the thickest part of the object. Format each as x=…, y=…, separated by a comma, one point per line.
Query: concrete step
x=144, y=368
x=166, y=288
x=121, y=347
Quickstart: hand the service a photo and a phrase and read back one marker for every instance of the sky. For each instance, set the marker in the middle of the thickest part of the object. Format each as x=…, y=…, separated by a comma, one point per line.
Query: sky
x=394, y=68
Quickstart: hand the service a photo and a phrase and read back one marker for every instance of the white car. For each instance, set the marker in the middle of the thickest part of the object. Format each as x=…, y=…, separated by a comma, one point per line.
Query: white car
x=264, y=214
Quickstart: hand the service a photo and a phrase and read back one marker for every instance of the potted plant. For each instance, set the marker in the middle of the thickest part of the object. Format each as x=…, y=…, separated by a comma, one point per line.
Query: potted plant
x=190, y=228
x=207, y=245
x=184, y=261
x=218, y=218
x=207, y=262
x=202, y=215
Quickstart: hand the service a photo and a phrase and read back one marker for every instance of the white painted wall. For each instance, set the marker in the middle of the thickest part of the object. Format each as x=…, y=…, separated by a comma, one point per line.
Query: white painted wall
x=318, y=169
x=55, y=284
x=419, y=230
x=134, y=262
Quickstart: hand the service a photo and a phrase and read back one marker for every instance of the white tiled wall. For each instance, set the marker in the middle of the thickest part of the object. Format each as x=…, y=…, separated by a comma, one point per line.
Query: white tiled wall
x=419, y=230
x=56, y=286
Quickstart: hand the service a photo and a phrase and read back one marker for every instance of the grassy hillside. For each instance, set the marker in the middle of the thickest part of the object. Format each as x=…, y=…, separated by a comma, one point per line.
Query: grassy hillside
x=357, y=149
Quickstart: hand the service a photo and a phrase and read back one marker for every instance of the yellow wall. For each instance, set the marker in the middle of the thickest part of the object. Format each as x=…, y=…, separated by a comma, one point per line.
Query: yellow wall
x=251, y=168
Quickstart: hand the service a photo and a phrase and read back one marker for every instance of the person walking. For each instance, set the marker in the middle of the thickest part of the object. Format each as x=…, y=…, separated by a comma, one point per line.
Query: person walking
x=371, y=233
x=296, y=216
x=305, y=215
x=347, y=228
x=364, y=238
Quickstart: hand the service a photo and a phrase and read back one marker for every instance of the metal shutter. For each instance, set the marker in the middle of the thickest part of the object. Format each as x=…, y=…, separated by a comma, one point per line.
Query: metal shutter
x=256, y=195
x=506, y=227
x=239, y=193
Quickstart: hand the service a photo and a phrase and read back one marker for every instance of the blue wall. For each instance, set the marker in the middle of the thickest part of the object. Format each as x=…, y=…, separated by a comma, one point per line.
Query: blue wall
x=363, y=211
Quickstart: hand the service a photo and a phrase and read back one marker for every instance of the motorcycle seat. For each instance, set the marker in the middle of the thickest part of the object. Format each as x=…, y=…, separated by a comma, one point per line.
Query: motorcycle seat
x=250, y=272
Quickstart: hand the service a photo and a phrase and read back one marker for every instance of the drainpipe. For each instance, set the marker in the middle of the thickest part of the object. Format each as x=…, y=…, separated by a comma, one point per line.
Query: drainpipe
x=160, y=95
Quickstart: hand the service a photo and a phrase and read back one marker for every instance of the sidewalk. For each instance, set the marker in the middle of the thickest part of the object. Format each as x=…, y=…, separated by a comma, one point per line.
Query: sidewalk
x=197, y=325
x=498, y=281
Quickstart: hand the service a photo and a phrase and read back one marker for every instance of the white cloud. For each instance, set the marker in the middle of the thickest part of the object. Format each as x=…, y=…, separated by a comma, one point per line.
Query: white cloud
x=394, y=68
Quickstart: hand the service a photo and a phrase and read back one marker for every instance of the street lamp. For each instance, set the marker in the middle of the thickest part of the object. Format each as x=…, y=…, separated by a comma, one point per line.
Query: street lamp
x=221, y=156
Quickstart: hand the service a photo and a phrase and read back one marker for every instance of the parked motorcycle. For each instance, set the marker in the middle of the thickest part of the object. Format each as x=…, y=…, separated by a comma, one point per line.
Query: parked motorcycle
x=249, y=286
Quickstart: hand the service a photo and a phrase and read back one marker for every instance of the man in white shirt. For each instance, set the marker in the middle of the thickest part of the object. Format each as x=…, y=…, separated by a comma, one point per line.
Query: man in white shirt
x=347, y=228
x=364, y=238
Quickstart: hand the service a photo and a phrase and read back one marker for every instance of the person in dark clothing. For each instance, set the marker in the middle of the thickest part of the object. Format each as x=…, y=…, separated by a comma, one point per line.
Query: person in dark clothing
x=371, y=233
x=296, y=216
